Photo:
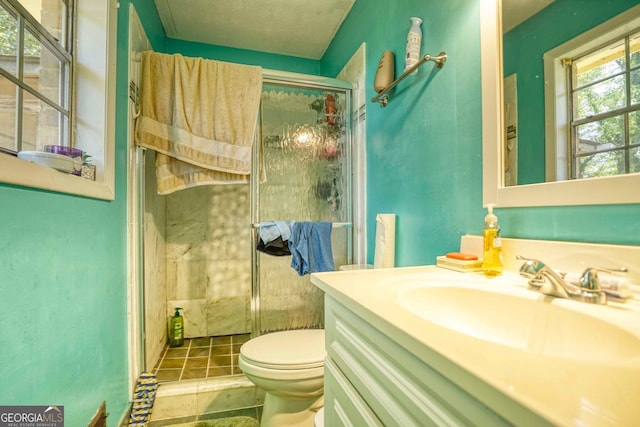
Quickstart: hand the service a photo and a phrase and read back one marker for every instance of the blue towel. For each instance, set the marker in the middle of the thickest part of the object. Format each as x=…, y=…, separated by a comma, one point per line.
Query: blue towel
x=310, y=246
x=271, y=230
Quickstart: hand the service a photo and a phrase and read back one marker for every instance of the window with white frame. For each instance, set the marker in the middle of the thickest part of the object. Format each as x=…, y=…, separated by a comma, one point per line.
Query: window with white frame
x=592, y=102
x=66, y=52
x=36, y=69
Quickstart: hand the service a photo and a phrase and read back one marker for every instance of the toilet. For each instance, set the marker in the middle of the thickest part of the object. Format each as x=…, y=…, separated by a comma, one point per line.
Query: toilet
x=289, y=367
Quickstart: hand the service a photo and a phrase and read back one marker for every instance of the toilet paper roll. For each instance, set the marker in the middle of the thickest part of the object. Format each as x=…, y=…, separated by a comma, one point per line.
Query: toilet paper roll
x=385, y=251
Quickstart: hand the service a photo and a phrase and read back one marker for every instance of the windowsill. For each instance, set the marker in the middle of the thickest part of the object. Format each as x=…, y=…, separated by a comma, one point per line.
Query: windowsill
x=27, y=174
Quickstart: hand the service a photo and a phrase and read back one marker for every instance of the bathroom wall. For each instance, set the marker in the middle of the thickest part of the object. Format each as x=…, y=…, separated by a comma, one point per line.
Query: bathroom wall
x=240, y=56
x=424, y=148
x=424, y=159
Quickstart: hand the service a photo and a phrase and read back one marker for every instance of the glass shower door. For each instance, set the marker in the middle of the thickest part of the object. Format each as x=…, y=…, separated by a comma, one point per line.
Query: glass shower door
x=304, y=176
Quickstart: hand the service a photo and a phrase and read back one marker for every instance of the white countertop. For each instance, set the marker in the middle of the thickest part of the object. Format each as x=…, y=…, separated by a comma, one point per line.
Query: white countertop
x=565, y=389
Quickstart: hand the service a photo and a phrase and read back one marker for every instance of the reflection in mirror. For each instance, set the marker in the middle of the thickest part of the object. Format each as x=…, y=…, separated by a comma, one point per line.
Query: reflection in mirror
x=589, y=70
x=517, y=140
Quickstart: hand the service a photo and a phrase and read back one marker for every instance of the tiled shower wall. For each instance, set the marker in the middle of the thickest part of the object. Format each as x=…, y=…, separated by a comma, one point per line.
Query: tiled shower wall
x=207, y=252
x=208, y=259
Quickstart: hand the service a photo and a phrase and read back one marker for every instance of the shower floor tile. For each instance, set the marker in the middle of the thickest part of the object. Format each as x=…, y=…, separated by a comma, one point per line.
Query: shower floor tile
x=205, y=357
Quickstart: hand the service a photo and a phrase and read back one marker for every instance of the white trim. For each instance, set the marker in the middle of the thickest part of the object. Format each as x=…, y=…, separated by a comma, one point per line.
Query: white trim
x=491, y=64
x=138, y=42
x=355, y=72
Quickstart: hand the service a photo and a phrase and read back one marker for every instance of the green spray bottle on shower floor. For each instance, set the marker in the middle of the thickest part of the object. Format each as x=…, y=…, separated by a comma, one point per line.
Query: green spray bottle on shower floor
x=176, y=329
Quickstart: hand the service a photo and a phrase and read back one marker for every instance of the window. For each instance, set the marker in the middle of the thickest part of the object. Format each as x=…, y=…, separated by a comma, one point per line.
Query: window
x=592, y=102
x=79, y=111
x=605, y=109
x=35, y=74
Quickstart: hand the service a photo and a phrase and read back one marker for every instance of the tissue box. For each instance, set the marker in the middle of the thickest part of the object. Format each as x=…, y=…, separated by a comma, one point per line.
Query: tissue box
x=464, y=266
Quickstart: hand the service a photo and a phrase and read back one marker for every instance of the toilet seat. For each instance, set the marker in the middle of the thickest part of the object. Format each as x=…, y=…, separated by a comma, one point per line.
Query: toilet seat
x=286, y=350
x=289, y=367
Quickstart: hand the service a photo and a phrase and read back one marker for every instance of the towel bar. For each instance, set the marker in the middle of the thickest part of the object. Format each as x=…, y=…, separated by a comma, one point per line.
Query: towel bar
x=335, y=225
x=383, y=98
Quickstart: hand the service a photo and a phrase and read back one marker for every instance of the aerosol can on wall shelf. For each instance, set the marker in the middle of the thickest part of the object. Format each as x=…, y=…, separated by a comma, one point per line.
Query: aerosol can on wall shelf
x=176, y=329
x=414, y=40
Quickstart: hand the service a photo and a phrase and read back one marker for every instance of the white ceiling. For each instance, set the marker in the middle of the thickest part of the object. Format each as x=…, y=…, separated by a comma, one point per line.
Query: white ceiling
x=516, y=11
x=300, y=28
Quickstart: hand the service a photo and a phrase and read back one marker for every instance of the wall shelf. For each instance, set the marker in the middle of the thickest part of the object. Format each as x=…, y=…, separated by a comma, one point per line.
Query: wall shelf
x=383, y=98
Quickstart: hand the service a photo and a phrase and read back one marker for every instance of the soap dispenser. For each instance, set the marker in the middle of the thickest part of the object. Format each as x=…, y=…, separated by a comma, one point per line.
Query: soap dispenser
x=492, y=246
x=176, y=329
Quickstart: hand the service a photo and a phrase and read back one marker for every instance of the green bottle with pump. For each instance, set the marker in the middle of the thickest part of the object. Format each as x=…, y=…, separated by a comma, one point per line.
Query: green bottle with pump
x=176, y=329
x=492, y=246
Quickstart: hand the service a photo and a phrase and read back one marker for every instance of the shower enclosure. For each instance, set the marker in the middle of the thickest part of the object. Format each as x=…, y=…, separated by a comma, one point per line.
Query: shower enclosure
x=200, y=243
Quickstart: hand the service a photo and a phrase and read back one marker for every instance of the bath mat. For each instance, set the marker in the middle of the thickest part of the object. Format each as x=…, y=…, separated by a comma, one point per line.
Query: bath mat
x=143, y=398
x=222, y=422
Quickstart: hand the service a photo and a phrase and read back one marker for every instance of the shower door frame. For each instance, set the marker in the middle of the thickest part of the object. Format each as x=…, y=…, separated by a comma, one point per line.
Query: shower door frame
x=282, y=78
x=135, y=214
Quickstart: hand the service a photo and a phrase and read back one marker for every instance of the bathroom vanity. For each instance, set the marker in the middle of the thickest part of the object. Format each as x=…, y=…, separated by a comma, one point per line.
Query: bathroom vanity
x=423, y=346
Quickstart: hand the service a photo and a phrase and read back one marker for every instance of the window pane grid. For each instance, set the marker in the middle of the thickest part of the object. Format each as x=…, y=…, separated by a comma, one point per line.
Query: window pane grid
x=604, y=107
x=62, y=48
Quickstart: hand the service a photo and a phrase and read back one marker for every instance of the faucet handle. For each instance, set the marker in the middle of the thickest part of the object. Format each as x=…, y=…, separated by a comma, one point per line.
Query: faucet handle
x=589, y=280
x=531, y=267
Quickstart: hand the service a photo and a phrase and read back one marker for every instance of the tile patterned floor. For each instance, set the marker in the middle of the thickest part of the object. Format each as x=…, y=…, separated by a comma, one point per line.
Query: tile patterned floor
x=201, y=358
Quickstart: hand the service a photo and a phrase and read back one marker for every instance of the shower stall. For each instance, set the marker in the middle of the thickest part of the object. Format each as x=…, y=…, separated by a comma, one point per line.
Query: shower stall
x=199, y=244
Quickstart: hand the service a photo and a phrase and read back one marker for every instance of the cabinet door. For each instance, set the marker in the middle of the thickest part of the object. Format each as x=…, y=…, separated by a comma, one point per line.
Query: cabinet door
x=400, y=388
x=343, y=405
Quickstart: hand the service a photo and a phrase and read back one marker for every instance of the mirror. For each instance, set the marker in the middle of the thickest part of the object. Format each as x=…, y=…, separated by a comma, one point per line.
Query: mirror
x=605, y=190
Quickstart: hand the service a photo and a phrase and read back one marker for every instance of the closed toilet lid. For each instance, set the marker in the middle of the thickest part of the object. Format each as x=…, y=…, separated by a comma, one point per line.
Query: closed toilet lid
x=299, y=349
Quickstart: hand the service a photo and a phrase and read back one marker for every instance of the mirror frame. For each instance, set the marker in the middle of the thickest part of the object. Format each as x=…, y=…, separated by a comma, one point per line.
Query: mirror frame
x=620, y=189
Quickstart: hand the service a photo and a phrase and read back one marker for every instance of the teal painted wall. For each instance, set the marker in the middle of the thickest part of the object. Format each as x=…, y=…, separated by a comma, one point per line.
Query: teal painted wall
x=524, y=47
x=241, y=56
x=423, y=149
x=424, y=159
x=148, y=14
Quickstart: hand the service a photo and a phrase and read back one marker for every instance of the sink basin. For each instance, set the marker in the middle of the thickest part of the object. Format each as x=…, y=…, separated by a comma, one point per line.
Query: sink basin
x=522, y=320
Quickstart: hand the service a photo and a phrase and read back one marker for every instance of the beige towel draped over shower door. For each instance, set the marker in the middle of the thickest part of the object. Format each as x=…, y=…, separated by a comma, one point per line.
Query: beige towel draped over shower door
x=200, y=116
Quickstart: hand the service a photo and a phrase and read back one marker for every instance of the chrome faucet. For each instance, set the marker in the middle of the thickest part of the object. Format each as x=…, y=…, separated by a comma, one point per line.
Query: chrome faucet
x=543, y=279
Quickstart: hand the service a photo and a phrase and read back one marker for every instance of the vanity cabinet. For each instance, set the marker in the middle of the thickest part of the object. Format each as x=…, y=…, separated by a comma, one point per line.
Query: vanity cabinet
x=371, y=380
x=421, y=346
